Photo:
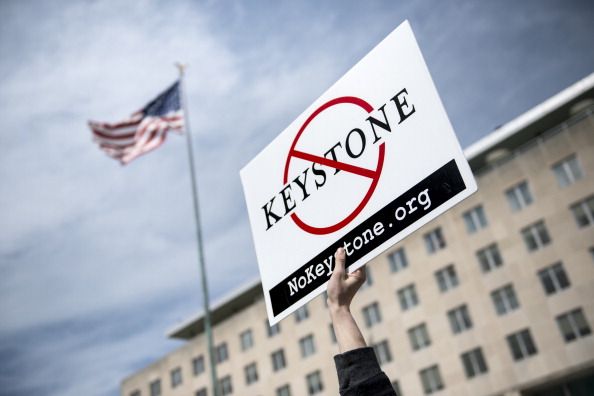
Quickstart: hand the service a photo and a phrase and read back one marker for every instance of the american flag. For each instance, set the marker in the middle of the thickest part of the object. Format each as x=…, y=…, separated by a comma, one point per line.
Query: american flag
x=144, y=130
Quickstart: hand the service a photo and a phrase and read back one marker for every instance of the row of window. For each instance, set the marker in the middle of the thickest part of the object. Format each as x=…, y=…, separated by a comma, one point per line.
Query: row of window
x=535, y=235
x=521, y=344
x=567, y=171
x=221, y=351
x=246, y=341
x=572, y=325
x=519, y=196
x=553, y=278
x=225, y=385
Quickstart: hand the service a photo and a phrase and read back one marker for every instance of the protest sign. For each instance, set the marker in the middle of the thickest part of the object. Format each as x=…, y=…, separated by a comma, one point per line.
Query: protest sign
x=370, y=161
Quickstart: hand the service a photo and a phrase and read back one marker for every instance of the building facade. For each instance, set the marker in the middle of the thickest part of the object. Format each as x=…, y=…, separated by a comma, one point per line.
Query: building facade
x=495, y=297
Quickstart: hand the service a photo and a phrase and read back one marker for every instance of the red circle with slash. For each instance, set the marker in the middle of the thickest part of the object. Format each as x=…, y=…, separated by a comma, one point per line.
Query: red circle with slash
x=374, y=175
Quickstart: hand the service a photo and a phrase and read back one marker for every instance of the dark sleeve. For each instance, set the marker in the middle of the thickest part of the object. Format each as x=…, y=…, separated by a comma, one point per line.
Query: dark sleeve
x=359, y=374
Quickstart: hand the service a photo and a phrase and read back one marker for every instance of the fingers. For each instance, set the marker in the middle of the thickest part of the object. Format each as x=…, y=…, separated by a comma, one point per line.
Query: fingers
x=358, y=276
x=360, y=272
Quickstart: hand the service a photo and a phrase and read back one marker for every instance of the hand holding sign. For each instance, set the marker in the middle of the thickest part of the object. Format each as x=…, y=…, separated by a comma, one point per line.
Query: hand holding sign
x=343, y=286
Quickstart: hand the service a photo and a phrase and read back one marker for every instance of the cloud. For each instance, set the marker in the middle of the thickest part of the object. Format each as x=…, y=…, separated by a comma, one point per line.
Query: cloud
x=86, y=356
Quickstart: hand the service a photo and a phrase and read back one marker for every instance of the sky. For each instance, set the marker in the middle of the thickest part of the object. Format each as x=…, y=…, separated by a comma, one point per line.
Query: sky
x=98, y=261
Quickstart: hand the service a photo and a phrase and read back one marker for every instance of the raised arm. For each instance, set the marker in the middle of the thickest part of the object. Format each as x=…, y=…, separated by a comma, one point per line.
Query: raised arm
x=358, y=371
x=342, y=287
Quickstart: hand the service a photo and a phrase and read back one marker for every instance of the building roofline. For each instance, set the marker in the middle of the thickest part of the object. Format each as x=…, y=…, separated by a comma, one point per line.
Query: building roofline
x=537, y=120
x=501, y=142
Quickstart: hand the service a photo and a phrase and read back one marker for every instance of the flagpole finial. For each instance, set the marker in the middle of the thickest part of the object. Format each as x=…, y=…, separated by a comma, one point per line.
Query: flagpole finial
x=181, y=67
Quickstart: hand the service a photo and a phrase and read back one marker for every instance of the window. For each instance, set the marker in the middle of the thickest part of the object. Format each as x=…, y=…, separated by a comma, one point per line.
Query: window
x=519, y=196
x=446, y=278
x=135, y=393
x=474, y=362
x=382, y=352
x=459, y=319
x=419, y=337
x=176, y=377
x=225, y=385
x=489, y=258
x=246, y=339
x=434, y=240
x=521, y=344
x=553, y=278
x=306, y=344
x=567, y=171
x=284, y=390
x=272, y=330
x=505, y=299
x=372, y=315
x=431, y=379
x=475, y=219
x=301, y=314
x=536, y=236
x=573, y=325
x=198, y=365
x=221, y=353
x=396, y=387
x=155, y=388
x=314, y=383
x=278, y=360
x=201, y=392
x=408, y=297
x=251, y=373
x=583, y=212
x=332, y=334
x=398, y=260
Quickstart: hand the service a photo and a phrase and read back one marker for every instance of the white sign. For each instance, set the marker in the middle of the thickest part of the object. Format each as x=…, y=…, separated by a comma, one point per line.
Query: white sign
x=369, y=162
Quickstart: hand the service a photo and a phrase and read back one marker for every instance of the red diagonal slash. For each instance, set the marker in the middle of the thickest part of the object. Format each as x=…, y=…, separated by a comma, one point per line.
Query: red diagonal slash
x=335, y=164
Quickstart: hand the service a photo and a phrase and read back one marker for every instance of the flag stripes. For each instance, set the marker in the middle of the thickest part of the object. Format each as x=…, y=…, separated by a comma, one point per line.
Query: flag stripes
x=144, y=130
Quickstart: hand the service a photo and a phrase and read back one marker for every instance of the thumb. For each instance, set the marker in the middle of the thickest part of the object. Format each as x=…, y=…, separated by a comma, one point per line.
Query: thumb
x=340, y=258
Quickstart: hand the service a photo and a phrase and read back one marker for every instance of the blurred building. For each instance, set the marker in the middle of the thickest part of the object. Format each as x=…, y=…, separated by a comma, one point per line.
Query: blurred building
x=496, y=297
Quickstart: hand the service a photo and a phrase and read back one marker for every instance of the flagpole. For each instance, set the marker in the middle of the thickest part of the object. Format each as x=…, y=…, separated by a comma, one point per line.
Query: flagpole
x=207, y=323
